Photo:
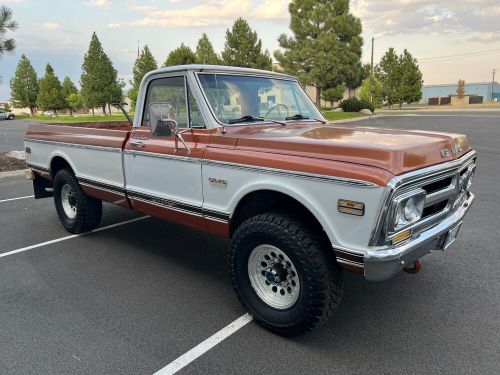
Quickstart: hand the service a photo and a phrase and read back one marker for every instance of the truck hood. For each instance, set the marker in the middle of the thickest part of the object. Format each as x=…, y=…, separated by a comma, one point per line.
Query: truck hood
x=395, y=150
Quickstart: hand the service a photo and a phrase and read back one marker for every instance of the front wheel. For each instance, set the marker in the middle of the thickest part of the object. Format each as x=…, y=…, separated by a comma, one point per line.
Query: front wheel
x=78, y=212
x=11, y=117
x=283, y=274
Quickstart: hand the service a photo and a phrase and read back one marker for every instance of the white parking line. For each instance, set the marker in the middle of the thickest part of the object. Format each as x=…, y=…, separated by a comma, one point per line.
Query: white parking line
x=71, y=236
x=15, y=199
x=205, y=346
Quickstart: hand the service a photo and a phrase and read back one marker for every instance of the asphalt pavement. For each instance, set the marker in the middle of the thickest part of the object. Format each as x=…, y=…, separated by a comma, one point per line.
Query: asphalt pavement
x=132, y=298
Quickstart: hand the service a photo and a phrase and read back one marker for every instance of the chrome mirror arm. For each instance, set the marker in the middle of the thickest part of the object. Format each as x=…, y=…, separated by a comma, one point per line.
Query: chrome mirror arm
x=178, y=136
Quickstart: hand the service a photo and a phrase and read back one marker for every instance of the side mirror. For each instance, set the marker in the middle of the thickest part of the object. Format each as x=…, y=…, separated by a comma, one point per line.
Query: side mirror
x=160, y=120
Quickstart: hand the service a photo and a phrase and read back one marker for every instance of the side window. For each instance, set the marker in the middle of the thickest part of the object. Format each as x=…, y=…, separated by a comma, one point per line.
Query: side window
x=172, y=91
x=194, y=112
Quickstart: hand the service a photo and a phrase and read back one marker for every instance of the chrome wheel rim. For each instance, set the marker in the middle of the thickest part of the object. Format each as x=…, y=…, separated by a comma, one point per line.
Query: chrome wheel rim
x=273, y=277
x=68, y=201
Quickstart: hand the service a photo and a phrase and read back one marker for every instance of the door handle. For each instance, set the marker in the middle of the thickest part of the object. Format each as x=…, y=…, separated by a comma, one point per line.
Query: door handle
x=137, y=143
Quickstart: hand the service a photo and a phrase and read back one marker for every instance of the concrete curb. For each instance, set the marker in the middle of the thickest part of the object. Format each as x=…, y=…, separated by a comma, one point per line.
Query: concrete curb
x=353, y=119
x=20, y=172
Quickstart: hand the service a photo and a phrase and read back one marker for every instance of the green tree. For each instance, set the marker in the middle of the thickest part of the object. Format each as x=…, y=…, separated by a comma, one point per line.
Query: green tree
x=6, y=107
x=389, y=73
x=6, y=24
x=334, y=94
x=50, y=96
x=243, y=48
x=182, y=55
x=371, y=90
x=400, y=77
x=326, y=46
x=411, y=79
x=68, y=88
x=143, y=64
x=460, y=89
x=205, y=53
x=24, y=86
x=99, y=78
x=74, y=102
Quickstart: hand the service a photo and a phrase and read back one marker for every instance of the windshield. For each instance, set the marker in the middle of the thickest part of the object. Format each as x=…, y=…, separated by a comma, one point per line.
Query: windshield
x=237, y=99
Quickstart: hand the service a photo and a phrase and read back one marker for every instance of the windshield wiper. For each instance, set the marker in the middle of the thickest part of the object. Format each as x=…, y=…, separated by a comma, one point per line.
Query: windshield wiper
x=249, y=118
x=300, y=116
x=297, y=116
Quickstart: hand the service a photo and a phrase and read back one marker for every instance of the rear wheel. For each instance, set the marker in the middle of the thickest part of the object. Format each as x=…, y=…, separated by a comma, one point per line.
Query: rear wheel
x=283, y=274
x=78, y=212
x=11, y=117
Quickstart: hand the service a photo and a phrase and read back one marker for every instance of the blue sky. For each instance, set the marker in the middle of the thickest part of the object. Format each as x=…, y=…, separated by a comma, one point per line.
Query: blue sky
x=58, y=31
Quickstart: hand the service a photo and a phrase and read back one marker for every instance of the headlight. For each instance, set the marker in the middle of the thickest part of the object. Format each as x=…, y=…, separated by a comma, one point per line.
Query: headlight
x=408, y=208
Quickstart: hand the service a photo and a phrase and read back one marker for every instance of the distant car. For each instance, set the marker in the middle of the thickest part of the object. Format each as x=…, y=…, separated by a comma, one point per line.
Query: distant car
x=49, y=113
x=6, y=115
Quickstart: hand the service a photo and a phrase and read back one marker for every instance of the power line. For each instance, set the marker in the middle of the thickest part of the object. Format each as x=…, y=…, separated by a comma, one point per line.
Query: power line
x=459, y=55
x=454, y=57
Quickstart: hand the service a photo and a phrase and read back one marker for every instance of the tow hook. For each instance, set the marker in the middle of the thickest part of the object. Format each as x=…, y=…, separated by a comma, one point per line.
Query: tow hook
x=415, y=267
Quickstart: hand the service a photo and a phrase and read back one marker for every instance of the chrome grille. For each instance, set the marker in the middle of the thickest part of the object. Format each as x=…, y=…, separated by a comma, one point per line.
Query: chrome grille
x=445, y=186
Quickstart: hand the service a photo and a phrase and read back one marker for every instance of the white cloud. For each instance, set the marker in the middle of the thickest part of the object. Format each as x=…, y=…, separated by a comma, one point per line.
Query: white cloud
x=99, y=3
x=211, y=13
x=51, y=25
x=112, y=25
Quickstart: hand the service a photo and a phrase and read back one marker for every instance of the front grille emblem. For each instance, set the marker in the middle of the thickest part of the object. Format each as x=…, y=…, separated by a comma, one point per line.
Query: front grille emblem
x=445, y=153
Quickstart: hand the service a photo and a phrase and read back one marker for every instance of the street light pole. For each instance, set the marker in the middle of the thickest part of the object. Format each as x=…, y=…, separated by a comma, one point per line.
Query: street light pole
x=371, y=78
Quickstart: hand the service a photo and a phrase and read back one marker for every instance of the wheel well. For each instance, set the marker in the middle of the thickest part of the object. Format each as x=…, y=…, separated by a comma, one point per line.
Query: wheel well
x=57, y=164
x=262, y=201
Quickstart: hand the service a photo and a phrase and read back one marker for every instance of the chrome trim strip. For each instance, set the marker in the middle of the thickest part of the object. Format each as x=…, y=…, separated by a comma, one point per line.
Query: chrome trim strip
x=101, y=185
x=163, y=156
x=37, y=168
x=77, y=145
x=282, y=172
x=350, y=263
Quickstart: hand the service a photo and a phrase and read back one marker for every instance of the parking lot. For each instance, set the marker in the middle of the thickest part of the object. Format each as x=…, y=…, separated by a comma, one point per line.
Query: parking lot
x=139, y=293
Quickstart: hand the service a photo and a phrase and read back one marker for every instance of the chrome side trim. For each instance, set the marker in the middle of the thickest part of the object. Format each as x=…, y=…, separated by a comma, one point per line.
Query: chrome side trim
x=37, y=168
x=163, y=156
x=282, y=172
x=77, y=145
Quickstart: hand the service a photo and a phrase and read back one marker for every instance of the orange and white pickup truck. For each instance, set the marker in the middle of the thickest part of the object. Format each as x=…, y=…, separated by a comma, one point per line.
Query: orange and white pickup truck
x=246, y=155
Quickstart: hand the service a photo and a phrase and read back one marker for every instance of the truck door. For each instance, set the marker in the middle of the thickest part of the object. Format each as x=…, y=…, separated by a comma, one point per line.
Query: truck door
x=163, y=177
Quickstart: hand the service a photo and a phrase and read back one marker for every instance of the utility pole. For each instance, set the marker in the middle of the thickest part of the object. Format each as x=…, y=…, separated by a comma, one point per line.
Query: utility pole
x=493, y=85
x=137, y=49
x=371, y=84
x=373, y=44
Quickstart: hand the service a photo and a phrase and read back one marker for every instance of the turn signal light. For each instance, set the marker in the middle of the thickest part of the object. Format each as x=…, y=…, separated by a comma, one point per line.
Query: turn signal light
x=401, y=236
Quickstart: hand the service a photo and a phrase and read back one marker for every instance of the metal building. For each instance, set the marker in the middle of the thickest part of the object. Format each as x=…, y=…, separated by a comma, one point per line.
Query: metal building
x=484, y=89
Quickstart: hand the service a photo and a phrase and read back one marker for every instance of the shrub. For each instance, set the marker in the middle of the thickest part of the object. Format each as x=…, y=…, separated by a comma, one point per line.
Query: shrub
x=356, y=105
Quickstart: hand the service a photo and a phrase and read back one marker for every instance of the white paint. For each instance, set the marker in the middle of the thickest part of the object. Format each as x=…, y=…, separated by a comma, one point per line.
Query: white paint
x=205, y=346
x=15, y=199
x=71, y=236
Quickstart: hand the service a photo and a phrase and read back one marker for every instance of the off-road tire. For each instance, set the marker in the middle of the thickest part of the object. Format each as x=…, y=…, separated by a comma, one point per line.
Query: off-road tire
x=88, y=210
x=319, y=274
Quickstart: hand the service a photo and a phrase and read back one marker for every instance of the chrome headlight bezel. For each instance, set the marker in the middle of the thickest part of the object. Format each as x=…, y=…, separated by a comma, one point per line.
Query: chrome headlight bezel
x=407, y=209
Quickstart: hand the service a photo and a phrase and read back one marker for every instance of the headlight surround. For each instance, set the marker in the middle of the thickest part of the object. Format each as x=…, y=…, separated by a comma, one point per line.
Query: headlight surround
x=408, y=209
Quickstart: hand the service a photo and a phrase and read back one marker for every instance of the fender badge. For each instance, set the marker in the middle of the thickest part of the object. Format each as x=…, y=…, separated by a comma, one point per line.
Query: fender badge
x=456, y=149
x=217, y=182
x=445, y=153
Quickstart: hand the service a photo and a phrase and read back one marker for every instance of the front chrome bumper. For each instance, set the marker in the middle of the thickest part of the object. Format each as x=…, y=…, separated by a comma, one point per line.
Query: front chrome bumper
x=384, y=263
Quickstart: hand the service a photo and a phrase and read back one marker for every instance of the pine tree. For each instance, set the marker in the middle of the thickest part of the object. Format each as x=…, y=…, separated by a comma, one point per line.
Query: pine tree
x=182, y=55
x=74, y=101
x=411, y=79
x=205, y=53
x=6, y=24
x=99, y=77
x=334, y=94
x=389, y=74
x=50, y=96
x=400, y=78
x=68, y=88
x=24, y=86
x=325, y=49
x=143, y=64
x=243, y=48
